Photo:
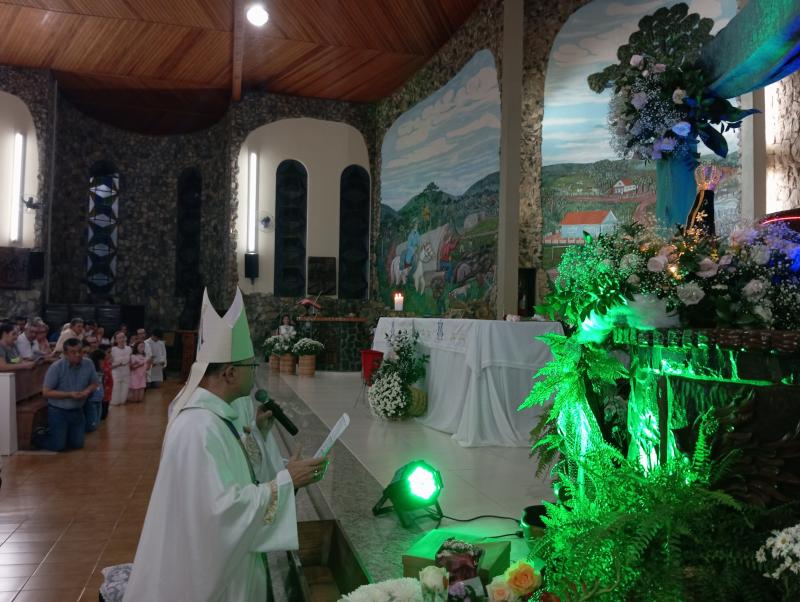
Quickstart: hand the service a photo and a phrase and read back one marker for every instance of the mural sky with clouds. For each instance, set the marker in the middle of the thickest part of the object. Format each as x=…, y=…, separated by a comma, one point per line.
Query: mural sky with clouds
x=452, y=138
x=574, y=128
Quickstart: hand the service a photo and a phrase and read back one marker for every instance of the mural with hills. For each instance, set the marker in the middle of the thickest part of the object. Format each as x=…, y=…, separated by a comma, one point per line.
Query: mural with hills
x=585, y=187
x=440, y=198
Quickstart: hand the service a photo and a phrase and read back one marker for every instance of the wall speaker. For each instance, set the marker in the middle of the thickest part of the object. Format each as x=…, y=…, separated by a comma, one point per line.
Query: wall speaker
x=251, y=265
x=36, y=265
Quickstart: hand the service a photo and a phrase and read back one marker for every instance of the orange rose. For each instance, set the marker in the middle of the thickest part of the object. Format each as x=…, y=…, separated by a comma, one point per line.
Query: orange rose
x=523, y=578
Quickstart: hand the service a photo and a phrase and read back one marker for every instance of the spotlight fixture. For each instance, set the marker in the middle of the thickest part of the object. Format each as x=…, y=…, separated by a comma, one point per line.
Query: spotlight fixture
x=414, y=486
x=257, y=14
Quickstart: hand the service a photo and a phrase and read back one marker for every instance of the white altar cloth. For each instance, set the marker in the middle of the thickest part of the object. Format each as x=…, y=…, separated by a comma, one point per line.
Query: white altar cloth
x=479, y=373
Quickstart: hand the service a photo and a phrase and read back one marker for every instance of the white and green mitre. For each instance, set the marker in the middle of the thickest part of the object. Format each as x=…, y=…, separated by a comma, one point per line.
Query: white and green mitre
x=221, y=340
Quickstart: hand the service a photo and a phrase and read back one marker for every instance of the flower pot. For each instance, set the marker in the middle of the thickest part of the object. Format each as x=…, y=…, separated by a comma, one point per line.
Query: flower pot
x=287, y=363
x=419, y=402
x=274, y=363
x=307, y=365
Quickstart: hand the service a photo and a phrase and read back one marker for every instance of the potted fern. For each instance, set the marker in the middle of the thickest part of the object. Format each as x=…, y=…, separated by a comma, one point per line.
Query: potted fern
x=307, y=351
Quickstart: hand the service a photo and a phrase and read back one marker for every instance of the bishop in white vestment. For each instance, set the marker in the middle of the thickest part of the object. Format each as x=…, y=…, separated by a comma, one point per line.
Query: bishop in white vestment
x=223, y=495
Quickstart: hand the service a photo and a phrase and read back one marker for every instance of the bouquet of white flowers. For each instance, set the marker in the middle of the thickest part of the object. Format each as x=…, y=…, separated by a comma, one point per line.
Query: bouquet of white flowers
x=306, y=346
x=388, y=397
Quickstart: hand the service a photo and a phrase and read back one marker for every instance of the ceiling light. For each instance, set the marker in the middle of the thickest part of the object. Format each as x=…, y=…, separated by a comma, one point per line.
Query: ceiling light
x=257, y=15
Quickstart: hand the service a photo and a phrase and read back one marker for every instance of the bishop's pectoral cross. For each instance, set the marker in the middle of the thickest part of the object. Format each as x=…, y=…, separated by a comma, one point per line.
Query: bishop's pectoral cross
x=759, y=46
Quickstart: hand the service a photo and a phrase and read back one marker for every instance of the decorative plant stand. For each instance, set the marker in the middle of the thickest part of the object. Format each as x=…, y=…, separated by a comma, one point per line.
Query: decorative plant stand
x=274, y=363
x=287, y=363
x=307, y=365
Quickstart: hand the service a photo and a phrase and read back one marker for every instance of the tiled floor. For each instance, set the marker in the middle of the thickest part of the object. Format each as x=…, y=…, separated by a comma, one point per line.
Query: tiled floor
x=477, y=481
x=63, y=517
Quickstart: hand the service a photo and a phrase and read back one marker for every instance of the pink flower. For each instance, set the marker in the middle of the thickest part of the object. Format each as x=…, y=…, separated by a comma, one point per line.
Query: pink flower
x=725, y=260
x=707, y=268
x=638, y=100
x=659, y=68
x=667, y=250
x=657, y=263
x=637, y=60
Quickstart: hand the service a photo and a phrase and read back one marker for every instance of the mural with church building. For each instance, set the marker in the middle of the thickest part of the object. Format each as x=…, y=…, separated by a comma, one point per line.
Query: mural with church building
x=585, y=186
x=439, y=198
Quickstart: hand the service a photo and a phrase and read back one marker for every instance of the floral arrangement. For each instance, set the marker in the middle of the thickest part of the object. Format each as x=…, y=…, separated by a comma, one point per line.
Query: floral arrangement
x=306, y=346
x=389, y=396
x=282, y=344
x=751, y=279
x=781, y=554
x=661, y=101
x=517, y=584
x=269, y=344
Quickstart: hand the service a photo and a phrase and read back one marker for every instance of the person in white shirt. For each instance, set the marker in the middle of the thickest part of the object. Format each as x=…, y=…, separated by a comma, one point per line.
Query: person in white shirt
x=223, y=496
x=120, y=369
x=26, y=342
x=156, y=351
x=74, y=330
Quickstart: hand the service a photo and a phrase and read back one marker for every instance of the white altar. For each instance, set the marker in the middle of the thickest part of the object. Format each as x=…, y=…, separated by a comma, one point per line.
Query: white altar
x=480, y=371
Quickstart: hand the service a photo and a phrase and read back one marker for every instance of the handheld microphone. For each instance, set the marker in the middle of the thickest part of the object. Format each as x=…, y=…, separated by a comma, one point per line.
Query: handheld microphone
x=262, y=397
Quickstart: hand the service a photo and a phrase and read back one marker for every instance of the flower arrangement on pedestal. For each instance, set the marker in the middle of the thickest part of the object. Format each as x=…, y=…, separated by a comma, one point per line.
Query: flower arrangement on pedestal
x=390, y=395
x=661, y=102
x=307, y=351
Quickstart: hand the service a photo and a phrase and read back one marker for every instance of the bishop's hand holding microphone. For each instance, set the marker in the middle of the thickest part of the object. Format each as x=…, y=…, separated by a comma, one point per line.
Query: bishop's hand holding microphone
x=303, y=472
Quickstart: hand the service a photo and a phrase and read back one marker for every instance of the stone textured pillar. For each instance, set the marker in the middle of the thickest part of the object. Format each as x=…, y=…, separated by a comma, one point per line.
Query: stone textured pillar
x=782, y=111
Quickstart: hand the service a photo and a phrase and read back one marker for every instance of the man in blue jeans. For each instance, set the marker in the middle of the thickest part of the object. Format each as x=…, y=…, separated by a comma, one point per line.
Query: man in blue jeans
x=67, y=385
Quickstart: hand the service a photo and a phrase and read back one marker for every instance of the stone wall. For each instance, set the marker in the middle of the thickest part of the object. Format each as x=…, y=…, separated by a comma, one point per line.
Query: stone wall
x=783, y=144
x=149, y=167
x=36, y=89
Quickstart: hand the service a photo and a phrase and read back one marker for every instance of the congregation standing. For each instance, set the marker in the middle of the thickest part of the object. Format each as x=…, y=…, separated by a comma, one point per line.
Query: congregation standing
x=87, y=372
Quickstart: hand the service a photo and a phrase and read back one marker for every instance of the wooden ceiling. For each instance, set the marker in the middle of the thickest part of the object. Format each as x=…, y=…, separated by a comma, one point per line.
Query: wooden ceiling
x=169, y=66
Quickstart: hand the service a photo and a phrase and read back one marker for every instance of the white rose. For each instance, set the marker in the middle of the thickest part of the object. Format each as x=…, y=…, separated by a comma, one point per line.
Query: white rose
x=754, y=289
x=678, y=95
x=667, y=250
x=765, y=313
x=628, y=261
x=707, y=268
x=690, y=294
x=725, y=260
x=760, y=254
x=634, y=279
x=637, y=60
x=657, y=263
x=434, y=578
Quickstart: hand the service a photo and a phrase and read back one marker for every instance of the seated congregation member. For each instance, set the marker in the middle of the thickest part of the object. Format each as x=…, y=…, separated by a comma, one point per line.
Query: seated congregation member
x=10, y=360
x=67, y=385
x=102, y=339
x=73, y=331
x=222, y=498
x=156, y=351
x=93, y=409
x=26, y=341
x=42, y=345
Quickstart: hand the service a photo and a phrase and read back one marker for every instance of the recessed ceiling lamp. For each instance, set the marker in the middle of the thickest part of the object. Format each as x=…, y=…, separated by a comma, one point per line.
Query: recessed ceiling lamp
x=257, y=14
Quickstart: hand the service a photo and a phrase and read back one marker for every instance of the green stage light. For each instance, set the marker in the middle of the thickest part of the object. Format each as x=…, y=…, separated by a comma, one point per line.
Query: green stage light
x=414, y=486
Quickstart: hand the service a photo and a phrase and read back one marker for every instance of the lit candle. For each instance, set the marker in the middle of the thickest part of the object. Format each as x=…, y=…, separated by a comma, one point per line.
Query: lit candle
x=398, y=302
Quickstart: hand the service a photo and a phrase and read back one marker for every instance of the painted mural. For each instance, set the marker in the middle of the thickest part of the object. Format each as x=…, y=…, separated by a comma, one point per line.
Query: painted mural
x=585, y=187
x=439, y=198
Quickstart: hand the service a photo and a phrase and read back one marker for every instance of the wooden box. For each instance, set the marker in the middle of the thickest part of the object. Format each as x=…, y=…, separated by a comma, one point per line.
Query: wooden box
x=326, y=567
x=495, y=560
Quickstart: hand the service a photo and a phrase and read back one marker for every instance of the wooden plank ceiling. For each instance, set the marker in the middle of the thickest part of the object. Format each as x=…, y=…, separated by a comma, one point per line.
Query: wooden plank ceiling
x=170, y=66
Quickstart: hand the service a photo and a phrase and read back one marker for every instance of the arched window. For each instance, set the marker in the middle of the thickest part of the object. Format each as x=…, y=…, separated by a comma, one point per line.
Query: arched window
x=101, y=260
x=354, y=233
x=291, y=199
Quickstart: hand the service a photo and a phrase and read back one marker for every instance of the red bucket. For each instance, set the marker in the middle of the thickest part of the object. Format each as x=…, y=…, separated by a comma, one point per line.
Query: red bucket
x=370, y=362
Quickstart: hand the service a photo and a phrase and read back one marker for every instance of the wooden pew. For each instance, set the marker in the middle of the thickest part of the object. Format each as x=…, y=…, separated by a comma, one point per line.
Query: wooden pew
x=23, y=405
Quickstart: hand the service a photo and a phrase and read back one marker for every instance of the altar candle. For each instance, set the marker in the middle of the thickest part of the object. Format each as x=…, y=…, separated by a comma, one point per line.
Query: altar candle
x=398, y=302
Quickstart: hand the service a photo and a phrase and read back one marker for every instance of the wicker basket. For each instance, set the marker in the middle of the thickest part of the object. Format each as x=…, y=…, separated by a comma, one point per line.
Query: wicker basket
x=287, y=363
x=307, y=365
x=419, y=402
x=274, y=363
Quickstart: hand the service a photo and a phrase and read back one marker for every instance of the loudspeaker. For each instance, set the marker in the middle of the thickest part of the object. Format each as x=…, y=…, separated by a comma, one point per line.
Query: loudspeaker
x=36, y=265
x=251, y=265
